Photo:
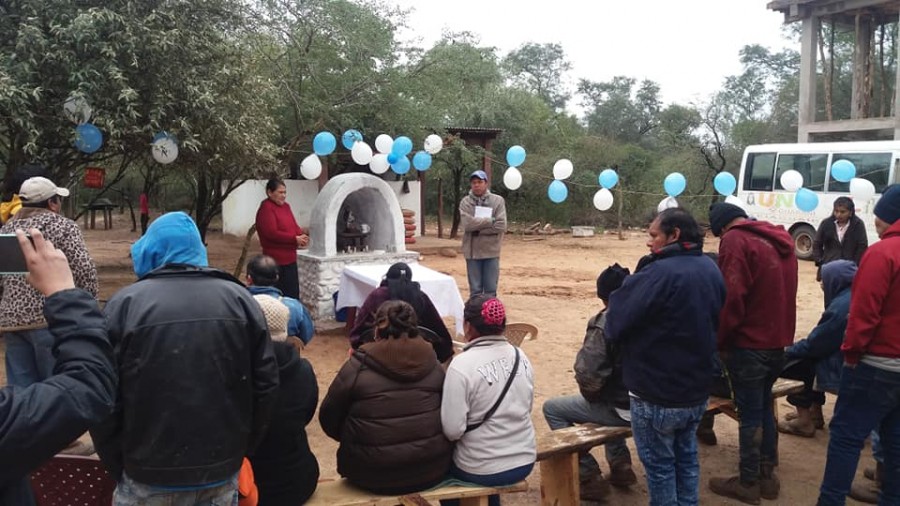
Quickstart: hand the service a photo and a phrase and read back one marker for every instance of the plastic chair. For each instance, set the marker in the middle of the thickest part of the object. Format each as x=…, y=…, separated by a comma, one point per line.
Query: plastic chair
x=516, y=333
x=69, y=480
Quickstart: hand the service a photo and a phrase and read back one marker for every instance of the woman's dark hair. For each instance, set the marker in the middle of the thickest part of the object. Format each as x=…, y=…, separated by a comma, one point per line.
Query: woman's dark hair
x=846, y=202
x=395, y=318
x=679, y=218
x=400, y=285
x=273, y=184
x=477, y=307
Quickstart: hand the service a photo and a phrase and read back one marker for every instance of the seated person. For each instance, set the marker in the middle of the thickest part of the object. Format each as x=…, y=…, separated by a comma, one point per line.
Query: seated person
x=488, y=396
x=817, y=360
x=398, y=285
x=603, y=399
x=262, y=276
x=384, y=407
x=285, y=470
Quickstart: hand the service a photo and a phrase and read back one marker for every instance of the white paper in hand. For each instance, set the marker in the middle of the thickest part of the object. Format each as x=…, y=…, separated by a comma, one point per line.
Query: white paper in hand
x=483, y=212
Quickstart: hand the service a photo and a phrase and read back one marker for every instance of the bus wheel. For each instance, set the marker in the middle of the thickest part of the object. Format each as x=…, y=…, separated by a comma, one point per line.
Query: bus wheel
x=803, y=236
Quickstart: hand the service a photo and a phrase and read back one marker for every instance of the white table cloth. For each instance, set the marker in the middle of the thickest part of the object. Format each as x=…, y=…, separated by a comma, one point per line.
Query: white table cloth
x=358, y=281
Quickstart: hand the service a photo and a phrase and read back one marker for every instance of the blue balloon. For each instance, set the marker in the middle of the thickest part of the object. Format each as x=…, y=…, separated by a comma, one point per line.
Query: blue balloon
x=674, y=184
x=402, y=145
x=557, y=191
x=88, y=138
x=421, y=161
x=515, y=156
x=392, y=158
x=609, y=178
x=843, y=170
x=401, y=166
x=806, y=200
x=324, y=143
x=725, y=183
x=350, y=138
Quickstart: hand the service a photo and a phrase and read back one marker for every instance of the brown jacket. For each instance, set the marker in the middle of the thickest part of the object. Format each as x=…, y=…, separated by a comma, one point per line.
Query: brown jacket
x=21, y=306
x=482, y=236
x=384, y=406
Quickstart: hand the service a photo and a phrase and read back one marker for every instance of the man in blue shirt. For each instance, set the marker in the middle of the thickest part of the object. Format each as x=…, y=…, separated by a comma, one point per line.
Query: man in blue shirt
x=262, y=275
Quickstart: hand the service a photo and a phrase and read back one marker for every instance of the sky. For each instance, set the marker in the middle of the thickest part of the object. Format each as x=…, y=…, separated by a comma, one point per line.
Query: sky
x=686, y=46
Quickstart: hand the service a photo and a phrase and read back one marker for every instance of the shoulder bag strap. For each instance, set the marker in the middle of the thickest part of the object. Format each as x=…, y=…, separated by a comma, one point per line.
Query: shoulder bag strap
x=490, y=412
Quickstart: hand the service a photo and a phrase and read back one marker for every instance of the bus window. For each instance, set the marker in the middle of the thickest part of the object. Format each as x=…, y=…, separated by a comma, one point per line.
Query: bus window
x=872, y=166
x=811, y=167
x=759, y=171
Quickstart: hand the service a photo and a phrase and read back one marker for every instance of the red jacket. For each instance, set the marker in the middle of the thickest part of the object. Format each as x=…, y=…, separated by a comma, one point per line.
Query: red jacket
x=278, y=231
x=760, y=269
x=873, y=327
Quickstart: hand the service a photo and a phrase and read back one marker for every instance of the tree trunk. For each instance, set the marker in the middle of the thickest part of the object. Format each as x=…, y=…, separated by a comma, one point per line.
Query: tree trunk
x=201, y=208
x=440, y=209
x=240, y=263
x=882, y=88
x=621, y=202
x=828, y=69
x=457, y=197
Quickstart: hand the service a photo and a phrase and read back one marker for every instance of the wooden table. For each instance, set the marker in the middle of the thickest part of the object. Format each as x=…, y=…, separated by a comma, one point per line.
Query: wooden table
x=103, y=205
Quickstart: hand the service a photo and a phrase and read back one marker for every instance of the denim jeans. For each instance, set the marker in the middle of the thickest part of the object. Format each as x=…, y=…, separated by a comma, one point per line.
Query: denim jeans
x=753, y=372
x=877, y=452
x=869, y=398
x=667, y=447
x=484, y=274
x=131, y=493
x=562, y=412
x=29, y=356
x=502, y=479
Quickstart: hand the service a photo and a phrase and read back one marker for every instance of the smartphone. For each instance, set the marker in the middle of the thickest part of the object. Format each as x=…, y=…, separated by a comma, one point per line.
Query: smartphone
x=12, y=260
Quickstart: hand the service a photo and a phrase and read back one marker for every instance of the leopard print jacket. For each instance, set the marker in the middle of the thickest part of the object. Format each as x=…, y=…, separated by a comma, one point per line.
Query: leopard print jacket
x=21, y=306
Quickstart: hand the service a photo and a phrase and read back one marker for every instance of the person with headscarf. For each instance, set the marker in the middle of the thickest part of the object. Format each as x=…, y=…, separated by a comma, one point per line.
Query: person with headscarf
x=398, y=285
x=488, y=396
x=384, y=407
x=841, y=236
x=816, y=360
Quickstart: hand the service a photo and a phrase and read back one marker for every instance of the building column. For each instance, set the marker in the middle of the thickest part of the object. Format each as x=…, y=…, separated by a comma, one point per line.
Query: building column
x=807, y=106
x=860, y=102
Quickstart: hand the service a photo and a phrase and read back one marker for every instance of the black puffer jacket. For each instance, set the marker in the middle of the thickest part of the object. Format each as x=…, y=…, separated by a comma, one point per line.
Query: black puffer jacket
x=384, y=407
x=285, y=470
x=197, y=378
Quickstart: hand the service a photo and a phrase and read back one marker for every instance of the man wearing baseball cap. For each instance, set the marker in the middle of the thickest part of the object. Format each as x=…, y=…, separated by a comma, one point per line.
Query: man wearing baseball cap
x=483, y=218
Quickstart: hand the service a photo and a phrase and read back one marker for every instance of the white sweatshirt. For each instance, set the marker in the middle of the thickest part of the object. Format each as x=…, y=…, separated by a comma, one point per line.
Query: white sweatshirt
x=473, y=384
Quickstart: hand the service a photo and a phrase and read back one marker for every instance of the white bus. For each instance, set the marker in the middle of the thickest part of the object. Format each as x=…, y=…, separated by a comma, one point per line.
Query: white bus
x=760, y=190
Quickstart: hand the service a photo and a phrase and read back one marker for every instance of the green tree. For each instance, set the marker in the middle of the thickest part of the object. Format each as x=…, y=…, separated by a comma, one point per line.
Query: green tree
x=540, y=69
x=618, y=110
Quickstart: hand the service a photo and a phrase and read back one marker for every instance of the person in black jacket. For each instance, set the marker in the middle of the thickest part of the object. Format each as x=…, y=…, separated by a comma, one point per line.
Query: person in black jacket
x=198, y=376
x=841, y=236
x=38, y=421
x=603, y=399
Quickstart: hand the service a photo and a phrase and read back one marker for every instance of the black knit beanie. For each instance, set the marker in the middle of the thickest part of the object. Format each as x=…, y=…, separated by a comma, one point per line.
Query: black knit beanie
x=722, y=214
x=888, y=206
x=610, y=280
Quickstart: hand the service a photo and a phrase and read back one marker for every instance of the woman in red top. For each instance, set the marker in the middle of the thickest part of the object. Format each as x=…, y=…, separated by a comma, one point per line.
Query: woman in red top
x=280, y=236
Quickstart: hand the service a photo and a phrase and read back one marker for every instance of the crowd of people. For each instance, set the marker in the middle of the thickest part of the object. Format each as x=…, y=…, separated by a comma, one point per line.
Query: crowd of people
x=190, y=381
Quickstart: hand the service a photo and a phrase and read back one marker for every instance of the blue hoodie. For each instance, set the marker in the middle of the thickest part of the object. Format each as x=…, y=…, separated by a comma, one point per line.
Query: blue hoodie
x=172, y=238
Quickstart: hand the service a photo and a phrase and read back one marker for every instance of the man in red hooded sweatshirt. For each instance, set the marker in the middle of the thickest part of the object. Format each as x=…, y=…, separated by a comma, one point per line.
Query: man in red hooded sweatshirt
x=759, y=265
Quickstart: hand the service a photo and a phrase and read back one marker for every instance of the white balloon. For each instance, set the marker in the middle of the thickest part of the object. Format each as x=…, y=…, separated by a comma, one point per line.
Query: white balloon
x=379, y=163
x=384, y=143
x=311, y=167
x=862, y=190
x=433, y=144
x=361, y=153
x=562, y=169
x=512, y=178
x=666, y=203
x=77, y=110
x=164, y=150
x=731, y=199
x=792, y=180
x=603, y=199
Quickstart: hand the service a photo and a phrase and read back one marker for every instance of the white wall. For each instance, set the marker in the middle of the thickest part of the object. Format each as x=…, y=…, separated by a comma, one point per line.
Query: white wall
x=409, y=200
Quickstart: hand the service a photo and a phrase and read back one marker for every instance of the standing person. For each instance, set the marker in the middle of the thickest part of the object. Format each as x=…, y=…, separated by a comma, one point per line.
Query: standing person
x=483, y=218
x=841, y=236
x=760, y=269
x=280, y=236
x=198, y=376
x=384, y=407
x=145, y=212
x=262, y=276
x=488, y=396
x=665, y=317
x=29, y=344
x=869, y=395
x=603, y=399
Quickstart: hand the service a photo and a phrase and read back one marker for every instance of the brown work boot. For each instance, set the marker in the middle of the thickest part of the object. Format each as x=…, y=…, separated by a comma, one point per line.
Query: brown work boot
x=594, y=488
x=868, y=492
x=817, y=417
x=802, y=425
x=869, y=473
x=705, y=432
x=769, y=484
x=621, y=474
x=734, y=488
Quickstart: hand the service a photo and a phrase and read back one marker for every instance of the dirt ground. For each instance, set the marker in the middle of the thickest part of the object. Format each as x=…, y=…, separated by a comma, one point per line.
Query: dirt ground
x=548, y=282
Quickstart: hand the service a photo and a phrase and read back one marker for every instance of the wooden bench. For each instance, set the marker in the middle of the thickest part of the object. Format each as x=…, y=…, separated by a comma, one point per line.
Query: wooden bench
x=342, y=493
x=782, y=388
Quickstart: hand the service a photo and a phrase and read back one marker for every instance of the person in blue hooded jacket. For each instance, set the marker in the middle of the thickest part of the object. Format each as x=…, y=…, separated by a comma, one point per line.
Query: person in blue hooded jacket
x=817, y=360
x=262, y=276
x=197, y=374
